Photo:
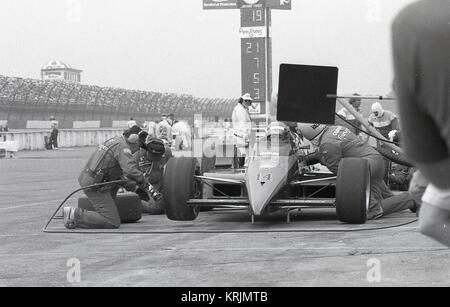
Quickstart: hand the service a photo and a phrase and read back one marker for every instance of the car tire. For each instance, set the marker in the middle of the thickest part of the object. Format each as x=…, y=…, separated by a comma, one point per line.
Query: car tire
x=179, y=186
x=128, y=205
x=353, y=190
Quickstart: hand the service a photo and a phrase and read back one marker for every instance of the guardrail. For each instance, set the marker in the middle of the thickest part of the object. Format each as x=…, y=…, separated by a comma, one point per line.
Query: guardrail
x=35, y=139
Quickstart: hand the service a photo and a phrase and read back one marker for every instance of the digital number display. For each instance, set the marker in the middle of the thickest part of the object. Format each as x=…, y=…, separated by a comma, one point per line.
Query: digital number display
x=254, y=57
x=254, y=68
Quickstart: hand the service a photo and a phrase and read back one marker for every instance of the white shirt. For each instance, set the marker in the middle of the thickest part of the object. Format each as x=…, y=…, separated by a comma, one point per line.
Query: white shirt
x=54, y=123
x=131, y=123
x=242, y=124
x=176, y=128
x=346, y=114
x=152, y=128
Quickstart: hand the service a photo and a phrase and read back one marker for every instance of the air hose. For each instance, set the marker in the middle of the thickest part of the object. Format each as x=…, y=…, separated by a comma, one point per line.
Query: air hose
x=78, y=190
x=385, y=152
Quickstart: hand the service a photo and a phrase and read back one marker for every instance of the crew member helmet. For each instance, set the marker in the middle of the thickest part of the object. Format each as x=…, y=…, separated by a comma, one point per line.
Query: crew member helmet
x=377, y=109
x=310, y=131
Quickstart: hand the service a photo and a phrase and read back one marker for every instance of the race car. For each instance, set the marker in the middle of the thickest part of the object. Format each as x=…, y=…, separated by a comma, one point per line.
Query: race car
x=272, y=179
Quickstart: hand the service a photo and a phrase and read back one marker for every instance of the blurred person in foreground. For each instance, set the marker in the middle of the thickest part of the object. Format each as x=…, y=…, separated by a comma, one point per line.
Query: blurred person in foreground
x=421, y=54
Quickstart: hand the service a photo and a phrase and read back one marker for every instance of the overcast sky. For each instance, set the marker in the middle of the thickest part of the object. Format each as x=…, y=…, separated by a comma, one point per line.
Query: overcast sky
x=176, y=46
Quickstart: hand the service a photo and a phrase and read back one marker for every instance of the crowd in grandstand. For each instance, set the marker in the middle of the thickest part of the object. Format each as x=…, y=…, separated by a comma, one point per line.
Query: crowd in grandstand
x=36, y=92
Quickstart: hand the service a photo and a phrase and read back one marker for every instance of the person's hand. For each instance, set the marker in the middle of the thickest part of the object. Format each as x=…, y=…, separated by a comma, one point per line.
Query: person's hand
x=303, y=167
x=392, y=134
x=143, y=195
x=144, y=184
x=246, y=141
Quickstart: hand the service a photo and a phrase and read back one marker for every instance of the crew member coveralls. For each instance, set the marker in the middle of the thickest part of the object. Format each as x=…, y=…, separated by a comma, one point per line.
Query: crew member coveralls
x=153, y=168
x=111, y=161
x=337, y=142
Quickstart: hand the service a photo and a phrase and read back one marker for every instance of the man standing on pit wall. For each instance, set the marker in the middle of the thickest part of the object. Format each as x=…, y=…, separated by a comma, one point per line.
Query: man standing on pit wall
x=383, y=120
x=421, y=53
x=335, y=143
x=113, y=160
x=242, y=125
x=54, y=133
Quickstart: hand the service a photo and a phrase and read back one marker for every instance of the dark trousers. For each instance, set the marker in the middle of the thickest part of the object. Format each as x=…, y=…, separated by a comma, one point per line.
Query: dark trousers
x=378, y=188
x=105, y=216
x=397, y=203
x=54, y=139
x=382, y=200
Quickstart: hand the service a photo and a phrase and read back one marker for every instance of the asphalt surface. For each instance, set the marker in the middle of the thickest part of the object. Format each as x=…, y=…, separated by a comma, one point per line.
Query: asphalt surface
x=33, y=185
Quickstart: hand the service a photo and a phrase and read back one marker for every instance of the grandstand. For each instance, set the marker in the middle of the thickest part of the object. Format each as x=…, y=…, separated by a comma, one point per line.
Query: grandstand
x=22, y=100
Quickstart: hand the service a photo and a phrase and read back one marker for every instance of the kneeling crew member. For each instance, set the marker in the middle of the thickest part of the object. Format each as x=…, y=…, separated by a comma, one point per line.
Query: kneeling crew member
x=111, y=161
x=337, y=142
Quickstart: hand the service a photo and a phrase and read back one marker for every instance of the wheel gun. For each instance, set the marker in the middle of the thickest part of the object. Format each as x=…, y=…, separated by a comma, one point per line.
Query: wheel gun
x=153, y=193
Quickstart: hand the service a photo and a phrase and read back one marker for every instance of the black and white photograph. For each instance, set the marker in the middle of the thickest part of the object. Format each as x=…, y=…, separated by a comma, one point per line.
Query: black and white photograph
x=224, y=149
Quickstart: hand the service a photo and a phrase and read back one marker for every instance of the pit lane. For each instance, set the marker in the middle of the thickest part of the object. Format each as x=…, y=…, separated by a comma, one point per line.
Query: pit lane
x=174, y=254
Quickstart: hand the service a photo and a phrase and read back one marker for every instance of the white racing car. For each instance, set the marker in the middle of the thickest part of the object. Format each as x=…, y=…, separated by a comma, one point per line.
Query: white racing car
x=272, y=180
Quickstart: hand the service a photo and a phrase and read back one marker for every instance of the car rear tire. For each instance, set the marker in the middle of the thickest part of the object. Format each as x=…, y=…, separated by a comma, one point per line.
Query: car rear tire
x=180, y=186
x=128, y=205
x=353, y=190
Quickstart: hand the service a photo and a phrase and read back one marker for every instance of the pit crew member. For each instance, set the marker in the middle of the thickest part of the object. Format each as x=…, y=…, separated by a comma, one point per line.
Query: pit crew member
x=113, y=160
x=151, y=162
x=337, y=142
x=383, y=120
x=345, y=114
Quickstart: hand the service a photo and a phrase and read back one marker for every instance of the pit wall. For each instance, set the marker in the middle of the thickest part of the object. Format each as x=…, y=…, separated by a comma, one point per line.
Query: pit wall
x=34, y=139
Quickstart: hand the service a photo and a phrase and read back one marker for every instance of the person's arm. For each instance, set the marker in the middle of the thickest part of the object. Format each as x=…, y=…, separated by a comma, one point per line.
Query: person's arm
x=342, y=113
x=167, y=154
x=128, y=165
x=331, y=155
x=240, y=125
x=394, y=122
